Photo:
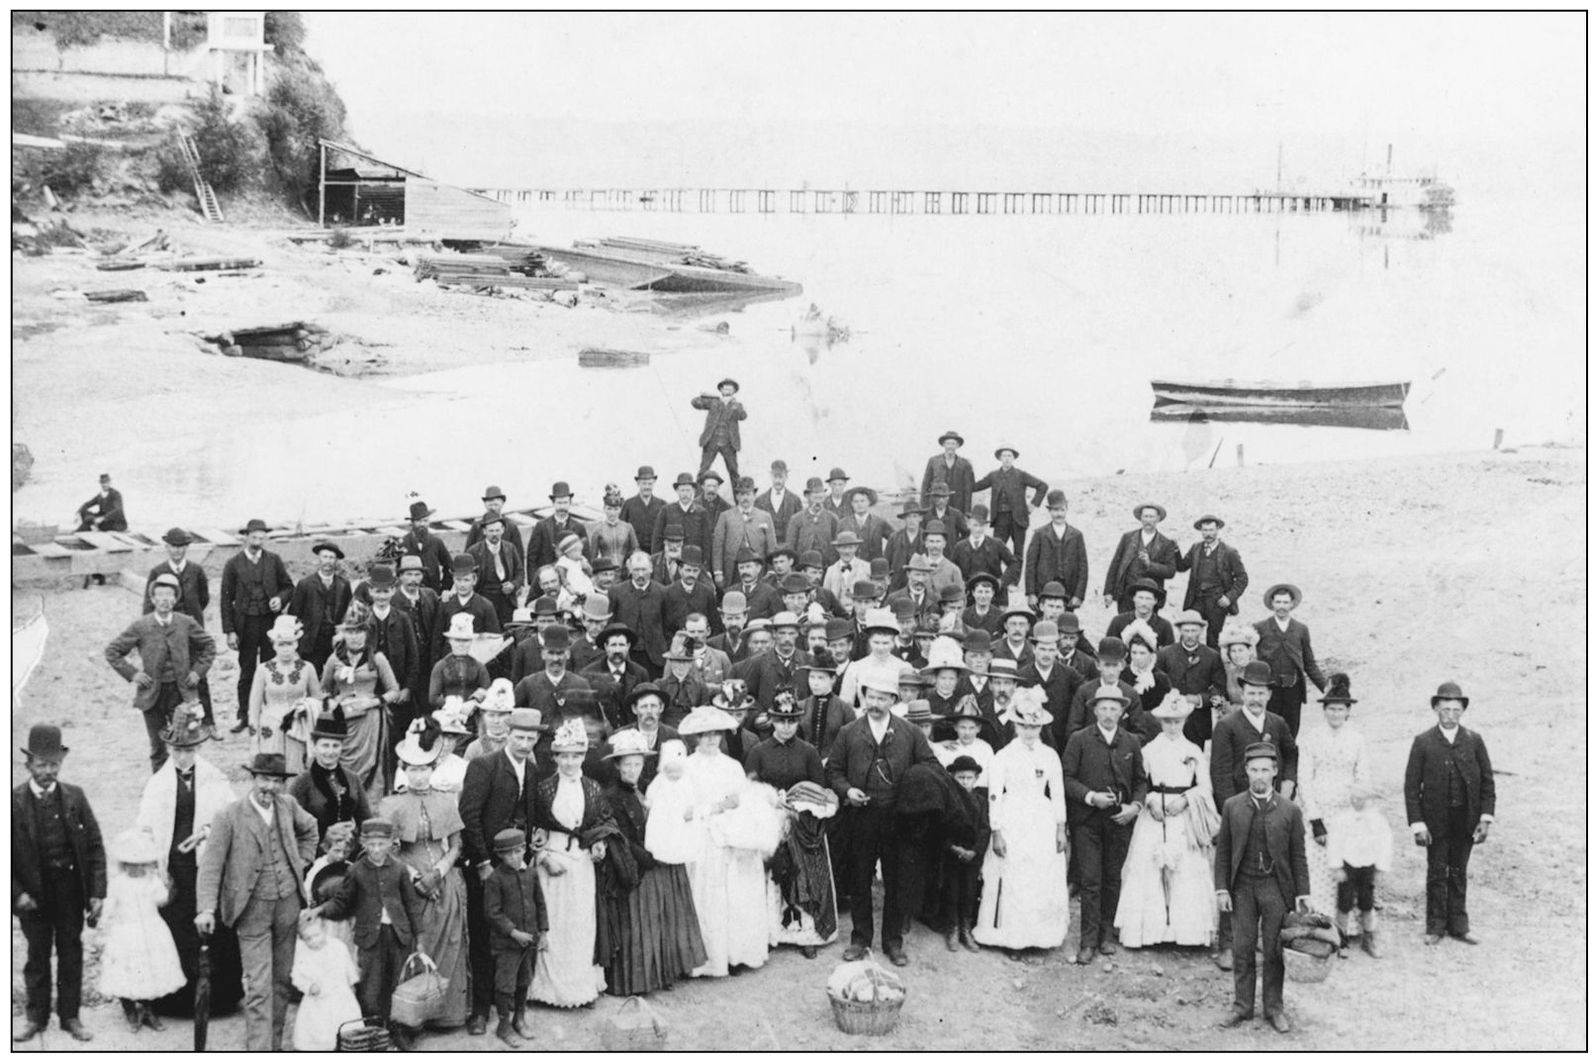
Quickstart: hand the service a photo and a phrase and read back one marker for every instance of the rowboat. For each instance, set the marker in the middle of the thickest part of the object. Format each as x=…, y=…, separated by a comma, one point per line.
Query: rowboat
x=1303, y=395
x=664, y=268
x=1378, y=418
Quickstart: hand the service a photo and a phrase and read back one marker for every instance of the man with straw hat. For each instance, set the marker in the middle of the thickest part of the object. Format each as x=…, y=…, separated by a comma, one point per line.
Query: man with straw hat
x=174, y=653
x=1194, y=668
x=865, y=765
x=1286, y=646
x=1143, y=553
x=249, y=878
x=1218, y=577
x=57, y=875
x=1260, y=874
x=499, y=793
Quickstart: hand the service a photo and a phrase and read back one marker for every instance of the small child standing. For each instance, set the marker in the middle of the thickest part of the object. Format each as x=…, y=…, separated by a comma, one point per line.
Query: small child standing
x=1359, y=848
x=325, y=973
x=140, y=962
x=966, y=848
x=512, y=898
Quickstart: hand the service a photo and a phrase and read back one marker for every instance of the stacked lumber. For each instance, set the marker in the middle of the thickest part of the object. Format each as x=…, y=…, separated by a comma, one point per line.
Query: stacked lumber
x=296, y=341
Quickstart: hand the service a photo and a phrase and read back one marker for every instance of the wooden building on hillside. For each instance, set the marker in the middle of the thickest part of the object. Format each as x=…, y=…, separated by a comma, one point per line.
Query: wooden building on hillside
x=360, y=189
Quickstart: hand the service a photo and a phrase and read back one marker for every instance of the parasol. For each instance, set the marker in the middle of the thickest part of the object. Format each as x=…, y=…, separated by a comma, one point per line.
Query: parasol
x=202, y=993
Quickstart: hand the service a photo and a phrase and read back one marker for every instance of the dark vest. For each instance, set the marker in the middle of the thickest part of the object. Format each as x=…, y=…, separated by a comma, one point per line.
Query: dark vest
x=1255, y=861
x=1456, y=792
x=55, y=848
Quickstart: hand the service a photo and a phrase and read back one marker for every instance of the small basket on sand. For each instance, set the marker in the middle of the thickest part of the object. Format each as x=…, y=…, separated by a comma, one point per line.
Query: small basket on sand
x=1303, y=966
x=635, y=1026
x=870, y=1003
x=364, y=1035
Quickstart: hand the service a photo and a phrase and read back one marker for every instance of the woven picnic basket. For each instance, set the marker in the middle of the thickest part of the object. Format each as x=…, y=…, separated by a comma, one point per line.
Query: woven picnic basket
x=364, y=1035
x=1303, y=966
x=418, y=998
x=634, y=1026
x=873, y=1018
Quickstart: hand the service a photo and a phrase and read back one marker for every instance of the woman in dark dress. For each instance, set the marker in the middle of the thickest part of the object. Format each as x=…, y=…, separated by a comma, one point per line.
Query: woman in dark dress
x=1151, y=684
x=654, y=939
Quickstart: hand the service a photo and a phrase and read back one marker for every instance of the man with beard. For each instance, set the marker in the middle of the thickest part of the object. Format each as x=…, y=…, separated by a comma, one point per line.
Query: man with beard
x=643, y=508
x=687, y=595
x=616, y=675
x=734, y=619
x=762, y=600
x=548, y=690
x=420, y=541
x=500, y=564
x=1218, y=578
x=422, y=605
x=925, y=602
x=542, y=546
x=741, y=528
x=782, y=505
x=667, y=561
x=814, y=527
x=777, y=669
x=319, y=601
x=639, y=606
x=712, y=666
x=255, y=587
x=949, y=468
x=1142, y=554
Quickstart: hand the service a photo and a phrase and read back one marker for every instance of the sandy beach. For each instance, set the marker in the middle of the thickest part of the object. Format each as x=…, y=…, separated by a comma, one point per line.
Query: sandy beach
x=1465, y=567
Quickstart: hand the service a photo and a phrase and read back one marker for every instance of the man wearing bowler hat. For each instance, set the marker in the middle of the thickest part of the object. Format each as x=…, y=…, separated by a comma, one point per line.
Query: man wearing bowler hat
x=1450, y=793
x=1146, y=598
x=1260, y=874
x=1142, y=554
x=527, y=657
x=1057, y=552
x=464, y=599
x=319, y=601
x=422, y=605
x=174, y=654
x=981, y=553
x=57, y=876
x=1286, y=646
x=781, y=504
x=643, y=508
x=714, y=503
x=1217, y=580
x=250, y=877
x=420, y=541
x=721, y=434
x=1194, y=669
x=193, y=595
x=500, y=565
x=547, y=689
x=949, y=468
x=1009, y=514
x=688, y=515
x=493, y=499
x=542, y=545
x=255, y=587
x=689, y=593
x=742, y=527
x=815, y=526
x=942, y=509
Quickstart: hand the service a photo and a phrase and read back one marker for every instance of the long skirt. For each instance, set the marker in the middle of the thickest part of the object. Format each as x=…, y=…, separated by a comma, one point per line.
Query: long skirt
x=1024, y=903
x=801, y=887
x=443, y=937
x=362, y=752
x=1166, y=887
x=226, y=966
x=658, y=938
x=728, y=890
x=565, y=975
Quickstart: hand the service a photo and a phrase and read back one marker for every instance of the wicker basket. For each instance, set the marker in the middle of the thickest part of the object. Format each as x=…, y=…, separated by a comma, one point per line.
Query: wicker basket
x=1305, y=967
x=635, y=1026
x=873, y=1018
x=364, y=1035
x=418, y=997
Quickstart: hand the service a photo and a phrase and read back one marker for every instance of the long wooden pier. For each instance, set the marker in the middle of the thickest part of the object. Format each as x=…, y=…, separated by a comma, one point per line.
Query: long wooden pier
x=911, y=201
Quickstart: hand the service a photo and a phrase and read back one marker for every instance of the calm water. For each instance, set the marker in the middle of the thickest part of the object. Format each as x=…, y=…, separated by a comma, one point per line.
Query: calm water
x=1041, y=332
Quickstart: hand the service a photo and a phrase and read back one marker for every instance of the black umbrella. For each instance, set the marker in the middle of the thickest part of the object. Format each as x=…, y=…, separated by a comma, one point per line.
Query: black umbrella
x=202, y=993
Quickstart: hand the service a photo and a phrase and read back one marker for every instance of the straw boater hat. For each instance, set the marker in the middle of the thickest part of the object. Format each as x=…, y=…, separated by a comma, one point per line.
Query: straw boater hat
x=1106, y=692
x=1028, y=707
x=1161, y=512
x=1236, y=633
x=285, y=627
x=1175, y=707
x=1191, y=616
x=1339, y=692
x=420, y=745
x=597, y=607
x=527, y=720
x=628, y=744
x=133, y=847
x=706, y=718
x=1003, y=668
x=571, y=737
x=1288, y=588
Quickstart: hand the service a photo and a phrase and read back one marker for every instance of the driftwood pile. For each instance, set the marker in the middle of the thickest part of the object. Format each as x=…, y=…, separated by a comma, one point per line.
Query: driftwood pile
x=296, y=341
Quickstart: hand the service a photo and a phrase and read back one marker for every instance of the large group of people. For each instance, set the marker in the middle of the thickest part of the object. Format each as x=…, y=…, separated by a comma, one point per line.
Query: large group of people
x=608, y=757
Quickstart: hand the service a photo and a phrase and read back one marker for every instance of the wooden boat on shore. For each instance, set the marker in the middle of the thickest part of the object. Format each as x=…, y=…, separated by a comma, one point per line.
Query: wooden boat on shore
x=656, y=266
x=1301, y=396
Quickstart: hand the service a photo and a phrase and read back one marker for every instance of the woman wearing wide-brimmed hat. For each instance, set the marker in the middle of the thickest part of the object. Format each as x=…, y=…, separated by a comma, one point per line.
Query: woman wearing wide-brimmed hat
x=428, y=828
x=655, y=940
x=1024, y=903
x=1332, y=760
x=1166, y=885
x=728, y=883
x=360, y=681
x=284, y=696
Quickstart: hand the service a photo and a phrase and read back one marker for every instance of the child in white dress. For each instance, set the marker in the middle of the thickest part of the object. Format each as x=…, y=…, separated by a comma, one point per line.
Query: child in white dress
x=325, y=972
x=139, y=963
x=1359, y=852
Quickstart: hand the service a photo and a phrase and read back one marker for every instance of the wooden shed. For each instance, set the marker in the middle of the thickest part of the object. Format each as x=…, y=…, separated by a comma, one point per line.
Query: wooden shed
x=360, y=189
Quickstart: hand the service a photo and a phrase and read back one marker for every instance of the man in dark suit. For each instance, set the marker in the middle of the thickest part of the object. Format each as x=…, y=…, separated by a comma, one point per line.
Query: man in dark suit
x=949, y=468
x=174, y=653
x=1057, y=552
x=463, y=599
x=1110, y=673
x=1286, y=646
x=1058, y=682
x=548, y=688
x=250, y=876
x=104, y=511
x=642, y=509
x=1146, y=598
x=193, y=595
x=951, y=517
x=980, y=553
x=1010, y=516
x=1450, y=793
x=1218, y=578
x=499, y=793
x=734, y=618
x=420, y=541
x=500, y=566
x=721, y=434
x=616, y=674
x=493, y=499
x=639, y=606
x=865, y=764
x=1260, y=873
x=1142, y=554
x=422, y=605
x=762, y=600
x=779, y=502
x=815, y=526
x=1196, y=669
x=1106, y=784
x=689, y=515
x=255, y=587
x=319, y=601
x=57, y=875
x=778, y=668
x=542, y=545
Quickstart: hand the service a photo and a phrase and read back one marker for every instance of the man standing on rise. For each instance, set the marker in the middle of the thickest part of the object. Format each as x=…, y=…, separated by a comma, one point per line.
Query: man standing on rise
x=721, y=434
x=255, y=587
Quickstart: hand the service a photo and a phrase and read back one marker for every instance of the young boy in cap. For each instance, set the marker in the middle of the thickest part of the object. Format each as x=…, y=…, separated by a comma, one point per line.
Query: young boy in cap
x=967, y=837
x=721, y=434
x=380, y=894
x=518, y=917
x=57, y=875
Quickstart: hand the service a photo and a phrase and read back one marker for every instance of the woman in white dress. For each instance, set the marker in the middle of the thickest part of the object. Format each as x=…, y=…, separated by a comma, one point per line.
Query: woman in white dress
x=1166, y=892
x=573, y=812
x=727, y=875
x=1023, y=903
x=1331, y=760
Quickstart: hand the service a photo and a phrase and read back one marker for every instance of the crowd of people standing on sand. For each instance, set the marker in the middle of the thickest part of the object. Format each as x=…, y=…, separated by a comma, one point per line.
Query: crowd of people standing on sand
x=617, y=755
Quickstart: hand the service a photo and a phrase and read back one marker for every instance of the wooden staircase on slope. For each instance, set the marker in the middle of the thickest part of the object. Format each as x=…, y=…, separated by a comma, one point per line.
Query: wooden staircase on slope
x=207, y=196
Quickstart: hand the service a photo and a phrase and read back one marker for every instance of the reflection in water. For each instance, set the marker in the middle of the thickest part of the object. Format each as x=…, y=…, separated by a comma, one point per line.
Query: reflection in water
x=1401, y=224
x=1378, y=418
x=699, y=304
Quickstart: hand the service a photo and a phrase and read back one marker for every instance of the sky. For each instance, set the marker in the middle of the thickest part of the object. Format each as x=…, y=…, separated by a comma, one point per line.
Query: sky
x=465, y=95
